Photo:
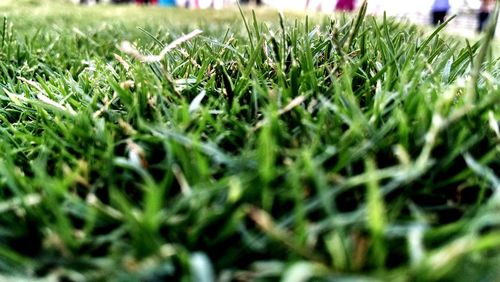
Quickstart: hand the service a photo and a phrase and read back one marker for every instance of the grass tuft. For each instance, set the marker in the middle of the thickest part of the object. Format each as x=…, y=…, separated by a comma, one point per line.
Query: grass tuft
x=268, y=147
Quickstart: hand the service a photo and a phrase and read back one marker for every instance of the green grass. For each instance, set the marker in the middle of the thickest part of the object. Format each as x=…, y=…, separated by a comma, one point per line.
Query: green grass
x=265, y=148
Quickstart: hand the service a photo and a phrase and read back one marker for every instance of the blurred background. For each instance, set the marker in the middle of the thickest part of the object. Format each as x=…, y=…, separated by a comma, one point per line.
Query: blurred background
x=466, y=22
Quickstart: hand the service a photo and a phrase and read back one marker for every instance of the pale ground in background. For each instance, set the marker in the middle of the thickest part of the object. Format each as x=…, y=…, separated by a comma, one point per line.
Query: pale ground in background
x=416, y=11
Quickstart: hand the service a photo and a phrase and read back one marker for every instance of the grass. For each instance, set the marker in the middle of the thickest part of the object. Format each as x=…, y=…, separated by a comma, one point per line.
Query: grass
x=265, y=148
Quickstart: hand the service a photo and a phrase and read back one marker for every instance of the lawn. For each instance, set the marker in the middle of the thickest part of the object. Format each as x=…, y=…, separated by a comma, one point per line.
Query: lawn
x=147, y=144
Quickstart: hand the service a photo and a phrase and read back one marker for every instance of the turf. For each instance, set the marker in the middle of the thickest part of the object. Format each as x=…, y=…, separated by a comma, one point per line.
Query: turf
x=266, y=148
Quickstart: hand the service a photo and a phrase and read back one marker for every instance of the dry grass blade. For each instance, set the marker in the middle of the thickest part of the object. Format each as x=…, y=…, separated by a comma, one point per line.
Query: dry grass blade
x=266, y=223
x=122, y=62
x=290, y=106
x=128, y=48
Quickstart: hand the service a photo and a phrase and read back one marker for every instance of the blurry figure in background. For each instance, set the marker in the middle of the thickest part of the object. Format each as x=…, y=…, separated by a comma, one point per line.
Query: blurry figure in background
x=484, y=13
x=166, y=3
x=89, y=2
x=140, y=2
x=440, y=9
x=196, y=4
x=345, y=5
x=246, y=2
x=314, y=5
